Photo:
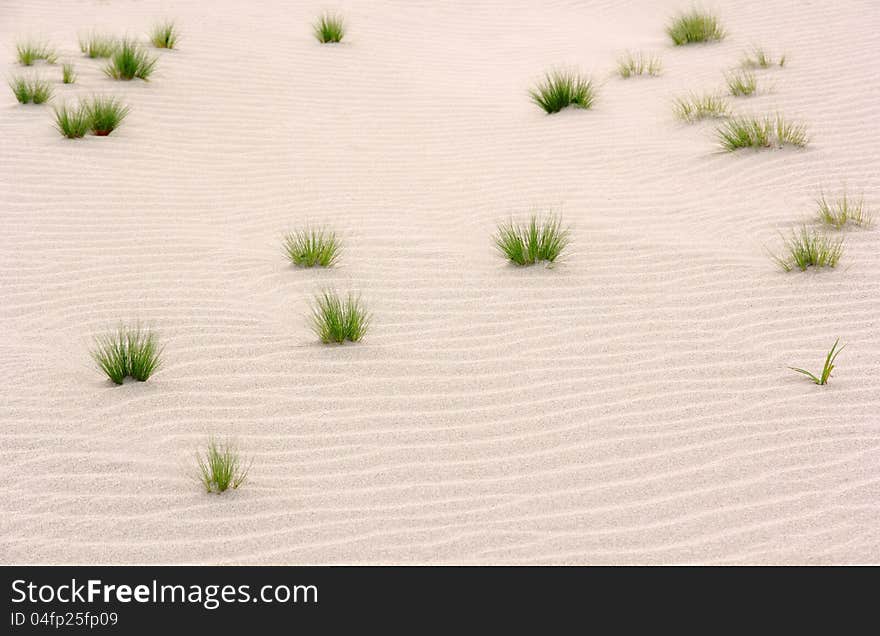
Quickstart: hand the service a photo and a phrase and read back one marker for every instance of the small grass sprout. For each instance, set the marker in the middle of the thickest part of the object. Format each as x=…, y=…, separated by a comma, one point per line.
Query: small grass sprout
x=329, y=29
x=760, y=132
x=695, y=107
x=72, y=122
x=98, y=46
x=29, y=52
x=635, y=64
x=827, y=368
x=129, y=352
x=129, y=61
x=741, y=83
x=560, y=89
x=164, y=35
x=538, y=240
x=842, y=211
x=32, y=90
x=309, y=247
x=694, y=26
x=809, y=248
x=221, y=467
x=68, y=74
x=759, y=58
x=105, y=114
x=337, y=320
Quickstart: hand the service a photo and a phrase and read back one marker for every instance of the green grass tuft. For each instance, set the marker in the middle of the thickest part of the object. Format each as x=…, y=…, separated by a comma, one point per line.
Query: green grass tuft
x=561, y=89
x=809, y=248
x=696, y=107
x=129, y=352
x=694, y=26
x=164, y=35
x=539, y=240
x=68, y=74
x=73, y=123
x=105, y=114
x=827, y=368
x=842, y=211
x=760, y=132
x=635, y=64
x=329, y=29
x=95, y=45
x=741, y=83
x=338, y=320
x=33, y=90
x=309, y=247
x=129, y=61
x=29, y=52
x=221, y=467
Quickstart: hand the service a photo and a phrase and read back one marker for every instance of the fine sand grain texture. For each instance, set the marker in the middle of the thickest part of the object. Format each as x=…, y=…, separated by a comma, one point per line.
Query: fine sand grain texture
x=632, y=404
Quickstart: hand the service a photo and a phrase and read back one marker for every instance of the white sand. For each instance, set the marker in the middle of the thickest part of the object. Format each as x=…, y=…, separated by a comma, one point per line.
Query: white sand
x=631, y=405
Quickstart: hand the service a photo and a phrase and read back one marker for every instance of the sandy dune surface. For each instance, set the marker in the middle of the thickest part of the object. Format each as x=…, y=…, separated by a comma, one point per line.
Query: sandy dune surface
x=629, y=405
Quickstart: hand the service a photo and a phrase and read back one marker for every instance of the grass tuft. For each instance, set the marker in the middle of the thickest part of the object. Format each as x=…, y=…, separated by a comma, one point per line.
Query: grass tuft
x=338, y=320
x=329, y=29
x=73, y=123
x=68, y=75
x=95, y=45
x=539, y=240
x=694, y=26
x=827, y=368
x=105, y=114
x=29, y=52
x=842, y=211
x=33, y=90
x=635, y=64
x=164, y=35
x=309, y=247
x=809, y=248
x=221, y=467
x=741, y=83
x=129, y=352
x=760, y=132
x=129, y=61
x=696, y=107
x=560, y=89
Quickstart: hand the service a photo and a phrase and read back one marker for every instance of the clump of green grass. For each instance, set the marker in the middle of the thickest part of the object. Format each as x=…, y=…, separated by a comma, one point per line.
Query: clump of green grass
x=827, y=368
x=329, y=29
x=33, y=90
x=29, y=52
x=842, y=211
x=696, y=107
x=105, y=114
x=760, y=132
x=95, y=45
x=129, y=61
x=634, y=64
x=71, y=122
x=68, y=74
x=337, y=320
x=741, y=83
x=538, y=240
x=308, y=248
x=694, y=26
x=759, y=58
x=809, y=248
x=561, y=89
x=129, y=352
x=164, y=35
x=221, y=467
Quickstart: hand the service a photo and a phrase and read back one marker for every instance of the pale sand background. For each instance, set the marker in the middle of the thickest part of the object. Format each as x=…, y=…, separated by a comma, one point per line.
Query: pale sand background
x=631, y=405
